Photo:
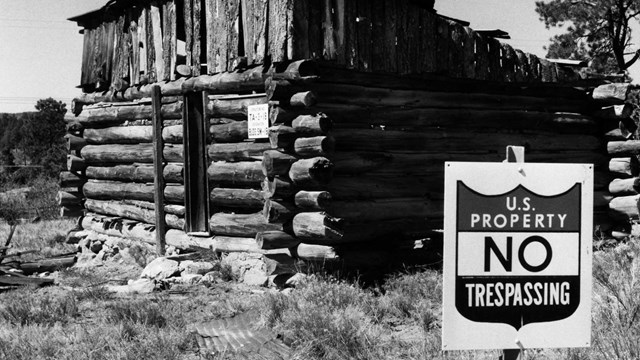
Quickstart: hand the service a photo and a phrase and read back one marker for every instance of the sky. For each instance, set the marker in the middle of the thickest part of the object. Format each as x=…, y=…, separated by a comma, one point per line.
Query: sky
x=41, y=51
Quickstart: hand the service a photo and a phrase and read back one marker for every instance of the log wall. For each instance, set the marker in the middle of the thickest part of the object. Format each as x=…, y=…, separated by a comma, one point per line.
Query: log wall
x=620, y=127
x=353, y=167
x=137, y=45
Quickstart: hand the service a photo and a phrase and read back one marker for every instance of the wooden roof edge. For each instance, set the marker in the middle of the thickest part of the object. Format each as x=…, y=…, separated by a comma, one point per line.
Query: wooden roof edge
x=494, y=33
x=568, y=62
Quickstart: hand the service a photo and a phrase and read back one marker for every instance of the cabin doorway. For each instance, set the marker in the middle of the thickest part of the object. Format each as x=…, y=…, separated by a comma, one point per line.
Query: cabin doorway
x=196, y=187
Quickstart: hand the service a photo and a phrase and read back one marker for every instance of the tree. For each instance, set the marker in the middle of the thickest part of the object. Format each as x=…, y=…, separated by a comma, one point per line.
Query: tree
x=43, y=136
x=597, y=30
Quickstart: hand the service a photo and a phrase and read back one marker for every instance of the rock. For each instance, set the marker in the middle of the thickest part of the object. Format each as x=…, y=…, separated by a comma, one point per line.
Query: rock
x=139, y=286
x=286, y=291
x=212, y=277
x=193, y=267
x=255, y=277
x=160, y=268
x=83, y=244
x=247, y=264
x=96, y=246
x=296, y=280
x=133, y=255
x=190, y=279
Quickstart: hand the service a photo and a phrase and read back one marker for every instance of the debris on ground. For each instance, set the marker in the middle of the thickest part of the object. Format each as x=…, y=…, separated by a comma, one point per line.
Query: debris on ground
x=238, y=335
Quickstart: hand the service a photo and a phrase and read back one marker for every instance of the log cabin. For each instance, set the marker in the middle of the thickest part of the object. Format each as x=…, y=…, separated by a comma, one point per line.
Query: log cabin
x=307, y=129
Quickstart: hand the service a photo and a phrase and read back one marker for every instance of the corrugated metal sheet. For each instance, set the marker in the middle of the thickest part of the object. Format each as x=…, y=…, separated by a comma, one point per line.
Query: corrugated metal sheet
x=238, y=335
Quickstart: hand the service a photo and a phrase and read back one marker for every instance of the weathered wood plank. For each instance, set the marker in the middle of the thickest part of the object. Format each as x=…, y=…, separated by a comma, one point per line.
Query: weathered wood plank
x=188, y=31
x=277, y=39
x=196, y=49
x=330, y=51
x=255, y=15
x=315, y=31
x=427, y=42
x=169, y=39
x=232, y=21
x=152, y=74
x=364, y=25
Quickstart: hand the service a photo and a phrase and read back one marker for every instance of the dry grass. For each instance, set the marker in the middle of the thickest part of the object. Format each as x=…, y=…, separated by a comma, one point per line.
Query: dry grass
x=324, y=318
x=46, y=236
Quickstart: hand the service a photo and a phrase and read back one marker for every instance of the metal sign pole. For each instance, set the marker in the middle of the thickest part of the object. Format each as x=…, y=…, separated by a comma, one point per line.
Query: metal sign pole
x=515, y=154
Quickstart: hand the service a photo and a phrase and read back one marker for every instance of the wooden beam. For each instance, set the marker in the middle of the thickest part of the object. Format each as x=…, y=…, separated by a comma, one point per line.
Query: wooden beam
x=158, y=168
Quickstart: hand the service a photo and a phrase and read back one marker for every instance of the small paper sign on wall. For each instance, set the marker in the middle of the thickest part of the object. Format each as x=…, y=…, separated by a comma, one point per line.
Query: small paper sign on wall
x=258, y=117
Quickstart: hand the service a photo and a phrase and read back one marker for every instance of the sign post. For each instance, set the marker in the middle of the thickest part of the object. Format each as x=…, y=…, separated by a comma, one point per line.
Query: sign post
x=517, y=264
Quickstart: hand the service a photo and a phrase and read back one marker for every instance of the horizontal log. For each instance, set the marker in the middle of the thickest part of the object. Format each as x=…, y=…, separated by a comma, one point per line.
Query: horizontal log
x=614, y=92
x=216, y=243
x=234, y=106
x=141, y=153
x=276, y=163
x=439, y=140
x=178, y=210
x=73, y=127
x=625, y=208
x=133, y=230
x=623, y=148
x=230, y=132
x=315, y=171
x=69, y=179
x=242, y=225
x=327, y=71
x=303, y=99
x=268, y=240
x=376, y=96
x=247, y=81
x=615, y=112
x=244, y=199
x=99, y=116
x=46, y=265
x=75, y=164
x=352, y=187
x=74, y=142
x=245, y=151
x=71, y=211
x=386, y=209
x=630, y=186
x=317, y=124
x=119, y=135
x=172, y=173
x=278, y=188
x=317, y=227
x=315, y=252
x=314, y=146
x=116, y=208
x=278, y=211
x=106, y=190
x=134, y=134
x=245, y=174
x=282, y=137
x=119, y=227
x=313, y=200
x=65, y=198
x=393, y=118
x=624, y=166
x=111, y=190
x=619, y=134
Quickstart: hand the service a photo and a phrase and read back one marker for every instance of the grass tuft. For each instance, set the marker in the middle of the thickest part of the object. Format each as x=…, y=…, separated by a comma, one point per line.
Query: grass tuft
x=136, y=312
